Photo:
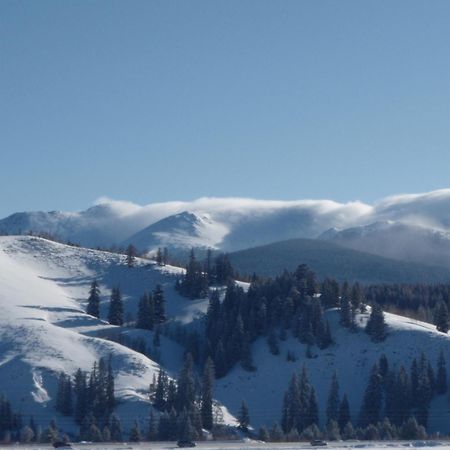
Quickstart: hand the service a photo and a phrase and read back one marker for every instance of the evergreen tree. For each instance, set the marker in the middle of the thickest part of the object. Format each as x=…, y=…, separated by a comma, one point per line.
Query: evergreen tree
x=160, y=304
x=424, y=391
x=110, y=388
x=207, y=395
x=223, y=270
x=93, y=307
x=313, y=409
x=333, y=400
x=159, y=257
x=161, y=390
x=116, y=429
x=131, y=256
x=186, y=392
x=106, y=434
x=60, y=392
x=115, y=315
x=441, y=377
x=272, y=341
x=441, y=318
x=330, y=293
x=376, y=326
x=412, y=430
x=146, y=313
x=263, y=434
x=333, y=432
x=81, y=400
x=194, y=283
x=276, y=433
x=244, y=416
x=372, y=401
x=345, y=313
x=153, y=425
x=344, y=413
x=185, y=429
x=135, y=433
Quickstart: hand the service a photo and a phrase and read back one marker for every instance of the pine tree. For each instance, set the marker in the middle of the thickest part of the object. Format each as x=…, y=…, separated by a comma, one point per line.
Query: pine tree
x=146, y=313
x=194, y=283
x=67, y=409
x=244, y=416
x=207, y=395
x=186, y=391
x=412, y=430
x=376, y=326
x=159, y=257
x=276, y=433
x=345, y=313
x=185, y=429
x=135, y=433
x=110, y=395
x=441, y=318
x=161, y=390
x=424, y=391
x=372, y=401
x=159, y=302
x=60, y=393
x=344, y=413
x=313, y=409
x=131, y=256
x=272, y=341
x=441, y=377
x=153, y=425
x=80, y=390
x=263, y=434
x=116, y=429
x=106, y=434
x=333, y=400
x=330, y=293
x=93, y=307
x=115, y=315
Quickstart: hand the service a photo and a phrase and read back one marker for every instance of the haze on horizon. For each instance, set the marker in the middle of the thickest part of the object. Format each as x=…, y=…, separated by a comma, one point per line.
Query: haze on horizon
x=153, y=101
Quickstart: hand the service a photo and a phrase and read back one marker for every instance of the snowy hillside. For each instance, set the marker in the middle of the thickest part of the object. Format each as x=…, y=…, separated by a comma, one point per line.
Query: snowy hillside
x=44, y=329
x=232, y=224
x=352, y=357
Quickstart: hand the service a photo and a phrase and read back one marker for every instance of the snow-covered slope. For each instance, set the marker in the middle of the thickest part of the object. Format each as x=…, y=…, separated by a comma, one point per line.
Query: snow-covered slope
x=182, y=231
x=44, y=329
x=396, y=240
x=352, y=357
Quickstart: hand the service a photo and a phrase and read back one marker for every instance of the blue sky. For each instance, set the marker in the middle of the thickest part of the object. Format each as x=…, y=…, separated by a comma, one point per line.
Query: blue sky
x=173, y=100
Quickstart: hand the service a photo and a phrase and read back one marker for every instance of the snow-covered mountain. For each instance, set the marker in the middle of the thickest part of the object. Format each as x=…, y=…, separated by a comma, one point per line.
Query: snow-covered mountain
x=396, y=240
x=232, y=224
x=184, y=230
x=44, y=330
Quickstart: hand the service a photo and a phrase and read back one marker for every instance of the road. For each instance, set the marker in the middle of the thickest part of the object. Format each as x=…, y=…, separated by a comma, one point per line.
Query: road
x=240, y=445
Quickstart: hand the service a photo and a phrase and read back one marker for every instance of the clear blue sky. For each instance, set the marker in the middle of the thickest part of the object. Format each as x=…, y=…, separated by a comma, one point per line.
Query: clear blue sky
x=164, y=100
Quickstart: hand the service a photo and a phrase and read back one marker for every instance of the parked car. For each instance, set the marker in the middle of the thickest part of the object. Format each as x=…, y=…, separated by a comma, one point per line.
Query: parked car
x=62, y=445
x=318, y=443
x=185, y=443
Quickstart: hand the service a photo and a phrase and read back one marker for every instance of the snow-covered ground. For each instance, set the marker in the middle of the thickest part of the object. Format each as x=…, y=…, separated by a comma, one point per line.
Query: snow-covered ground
x=44, y=330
